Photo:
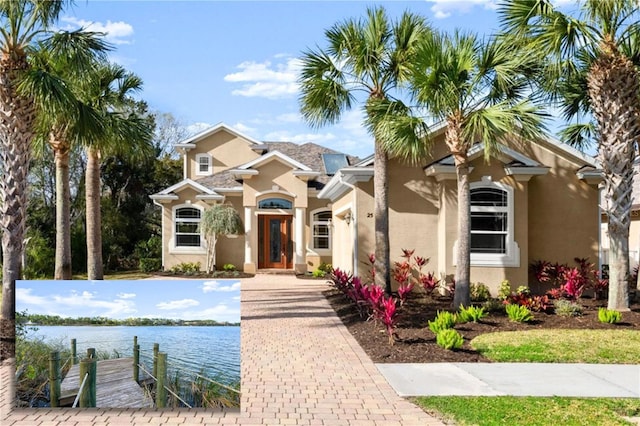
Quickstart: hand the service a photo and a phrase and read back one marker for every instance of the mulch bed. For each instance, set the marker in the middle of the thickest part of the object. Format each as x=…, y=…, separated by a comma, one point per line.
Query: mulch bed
x=415, y=343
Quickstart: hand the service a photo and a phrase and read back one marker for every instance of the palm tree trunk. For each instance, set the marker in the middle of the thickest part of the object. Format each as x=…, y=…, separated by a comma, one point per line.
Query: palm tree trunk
x=463, y=254
x=16, y=132
x=613, y=86
x=63, y=209
x=381, y=217
x=93, y=216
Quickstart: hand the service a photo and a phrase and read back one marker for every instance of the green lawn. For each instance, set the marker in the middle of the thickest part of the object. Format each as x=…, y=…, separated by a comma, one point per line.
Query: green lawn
x=561, y=346
x=531, y=411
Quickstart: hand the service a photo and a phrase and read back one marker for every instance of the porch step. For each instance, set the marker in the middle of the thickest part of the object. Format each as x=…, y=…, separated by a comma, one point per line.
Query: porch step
x=276, y=271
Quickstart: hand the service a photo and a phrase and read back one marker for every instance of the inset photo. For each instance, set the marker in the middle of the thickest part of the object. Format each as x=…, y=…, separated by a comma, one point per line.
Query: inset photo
x=151, y=343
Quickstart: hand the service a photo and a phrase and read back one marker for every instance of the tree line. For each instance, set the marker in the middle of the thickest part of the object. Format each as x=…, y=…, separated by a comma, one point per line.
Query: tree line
x=26, y=319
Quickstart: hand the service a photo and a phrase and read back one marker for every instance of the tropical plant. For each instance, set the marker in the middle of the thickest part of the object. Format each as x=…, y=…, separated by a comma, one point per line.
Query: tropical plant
x=363, y=56
x=219, y=220
x=471, y=313
x=609, y=316
x=25, y=30
x=108, y=91
x=479, y=292
x=477, y=89
x=518, y=313
x=442, y=321
x=591, y=67
x=567, y=308
x=449, y=339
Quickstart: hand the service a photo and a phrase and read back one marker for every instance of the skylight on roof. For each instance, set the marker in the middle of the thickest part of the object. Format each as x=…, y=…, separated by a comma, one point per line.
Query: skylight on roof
x=334, y=162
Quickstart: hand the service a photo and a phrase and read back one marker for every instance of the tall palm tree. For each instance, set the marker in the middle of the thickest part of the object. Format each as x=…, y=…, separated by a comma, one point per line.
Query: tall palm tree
x=62, y=128
x=22, y=24
x=477, y=89
x=109, y=91
x=593, y=59
x=368, y=57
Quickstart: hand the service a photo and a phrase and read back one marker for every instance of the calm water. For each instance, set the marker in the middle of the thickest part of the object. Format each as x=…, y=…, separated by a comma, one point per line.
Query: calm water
x=214, y=350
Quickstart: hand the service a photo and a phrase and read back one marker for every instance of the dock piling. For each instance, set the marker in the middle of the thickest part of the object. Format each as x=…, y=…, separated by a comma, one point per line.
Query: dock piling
x=88, y=394
x=54, y=378
x=161, y=392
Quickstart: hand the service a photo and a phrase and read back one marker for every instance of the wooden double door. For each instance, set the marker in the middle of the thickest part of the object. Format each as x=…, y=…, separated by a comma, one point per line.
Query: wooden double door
x=275, y=241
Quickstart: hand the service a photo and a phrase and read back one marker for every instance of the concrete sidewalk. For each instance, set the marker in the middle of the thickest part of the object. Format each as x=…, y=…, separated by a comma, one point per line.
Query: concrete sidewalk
x=517, y=379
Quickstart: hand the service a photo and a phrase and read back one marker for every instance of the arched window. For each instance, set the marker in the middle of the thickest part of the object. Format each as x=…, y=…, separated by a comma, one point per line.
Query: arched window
x=275, y=203
x=320, y=230
x=187, y=227
x=492, y=225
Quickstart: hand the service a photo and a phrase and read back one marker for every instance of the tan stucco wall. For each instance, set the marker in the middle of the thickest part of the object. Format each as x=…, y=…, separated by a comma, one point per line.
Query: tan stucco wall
x=274, y=173
x=227, y=150
x=555, y=215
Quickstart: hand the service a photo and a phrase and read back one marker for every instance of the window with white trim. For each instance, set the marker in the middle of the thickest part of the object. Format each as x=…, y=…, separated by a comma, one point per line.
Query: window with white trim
x=187, y=227
x=320, y=230
x=492, y=225
x=489, y=215
x=203, y=164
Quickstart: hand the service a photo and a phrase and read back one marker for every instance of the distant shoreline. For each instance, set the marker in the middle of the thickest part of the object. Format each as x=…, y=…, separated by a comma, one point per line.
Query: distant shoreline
x=37, y=320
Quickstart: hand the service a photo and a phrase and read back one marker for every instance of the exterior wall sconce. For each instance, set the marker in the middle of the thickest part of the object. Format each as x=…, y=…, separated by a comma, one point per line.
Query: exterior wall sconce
x=347, y=218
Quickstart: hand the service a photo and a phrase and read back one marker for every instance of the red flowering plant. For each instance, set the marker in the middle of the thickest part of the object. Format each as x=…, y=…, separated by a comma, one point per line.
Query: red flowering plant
x=388, y=315
x=409, y=272
x=429, y=282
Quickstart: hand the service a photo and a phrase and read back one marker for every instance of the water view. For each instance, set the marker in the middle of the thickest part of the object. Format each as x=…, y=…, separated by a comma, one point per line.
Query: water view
x=214, y=351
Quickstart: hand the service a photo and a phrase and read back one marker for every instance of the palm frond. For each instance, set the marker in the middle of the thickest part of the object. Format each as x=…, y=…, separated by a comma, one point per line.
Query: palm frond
x=401, y=134
x=579, y=135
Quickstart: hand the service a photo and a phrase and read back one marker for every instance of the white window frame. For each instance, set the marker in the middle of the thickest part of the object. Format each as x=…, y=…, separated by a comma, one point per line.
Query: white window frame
x=511, y=258
x=209, y=159
x=186, y=249
x=313, y=223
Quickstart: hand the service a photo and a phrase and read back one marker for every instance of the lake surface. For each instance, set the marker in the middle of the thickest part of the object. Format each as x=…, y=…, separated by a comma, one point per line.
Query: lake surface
x=212, y=350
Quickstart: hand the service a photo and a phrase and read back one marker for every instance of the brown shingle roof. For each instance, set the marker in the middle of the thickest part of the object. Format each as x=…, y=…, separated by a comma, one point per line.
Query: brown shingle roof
x=309, y=154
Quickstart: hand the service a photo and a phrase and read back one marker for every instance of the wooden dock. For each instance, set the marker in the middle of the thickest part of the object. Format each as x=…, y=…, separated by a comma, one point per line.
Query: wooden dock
x=115, y=387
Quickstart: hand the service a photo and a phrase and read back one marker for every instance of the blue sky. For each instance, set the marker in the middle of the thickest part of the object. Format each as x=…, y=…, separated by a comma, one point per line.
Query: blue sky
x=119, y=299
x=235, y=62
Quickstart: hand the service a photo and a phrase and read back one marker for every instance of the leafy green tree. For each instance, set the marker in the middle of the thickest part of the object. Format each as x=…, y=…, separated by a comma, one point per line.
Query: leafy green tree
x=476, y=88
x=370, y=57
x=218, y=220
x=593, y=60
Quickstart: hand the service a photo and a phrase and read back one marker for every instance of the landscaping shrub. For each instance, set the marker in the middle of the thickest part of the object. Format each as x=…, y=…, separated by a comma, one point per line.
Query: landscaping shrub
x=229, y=267
x=471, y=314
x=147, y=264
x=567, y=308
x=406, y=271
x=609, y=316
x=449, y=339
x=187, y=268
x=479, y=292
x=569, y=282
x=493, y=305
x=443, y=321
x=518, y=313
x=388, y=315
x=504, y=291
x=318, y=273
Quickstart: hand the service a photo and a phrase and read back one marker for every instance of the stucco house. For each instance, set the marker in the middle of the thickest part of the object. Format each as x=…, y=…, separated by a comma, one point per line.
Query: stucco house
x=305, y=204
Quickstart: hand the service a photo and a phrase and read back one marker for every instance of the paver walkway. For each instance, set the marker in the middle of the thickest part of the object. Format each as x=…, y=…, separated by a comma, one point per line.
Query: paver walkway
x=300, y=366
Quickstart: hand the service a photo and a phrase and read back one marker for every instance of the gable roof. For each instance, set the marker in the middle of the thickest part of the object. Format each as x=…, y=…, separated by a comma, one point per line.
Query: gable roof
x=170, y=192
x=307, y=158
x=193, y=140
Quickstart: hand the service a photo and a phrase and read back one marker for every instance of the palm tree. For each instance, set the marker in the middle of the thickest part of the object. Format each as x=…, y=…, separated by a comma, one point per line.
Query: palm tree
x=108, y=90
x=476, y=88
x=62, y=128
x=24, y=28
x=369, y=57
x=593, y=61
x=218, y=220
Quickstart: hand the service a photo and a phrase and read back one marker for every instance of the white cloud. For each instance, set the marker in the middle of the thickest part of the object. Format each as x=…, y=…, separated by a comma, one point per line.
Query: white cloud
x=445, y=8
x=218, y=313
x=292, y=117
x=84, y=300
x=210, y=286
x=266, y=79
x=126, y=295
x=244, y=128
x=177, y=304
x=195, y=128
x=116, y=32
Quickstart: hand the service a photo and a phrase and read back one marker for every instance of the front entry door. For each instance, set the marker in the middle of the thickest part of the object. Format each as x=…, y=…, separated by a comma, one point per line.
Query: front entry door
x=276, y=245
